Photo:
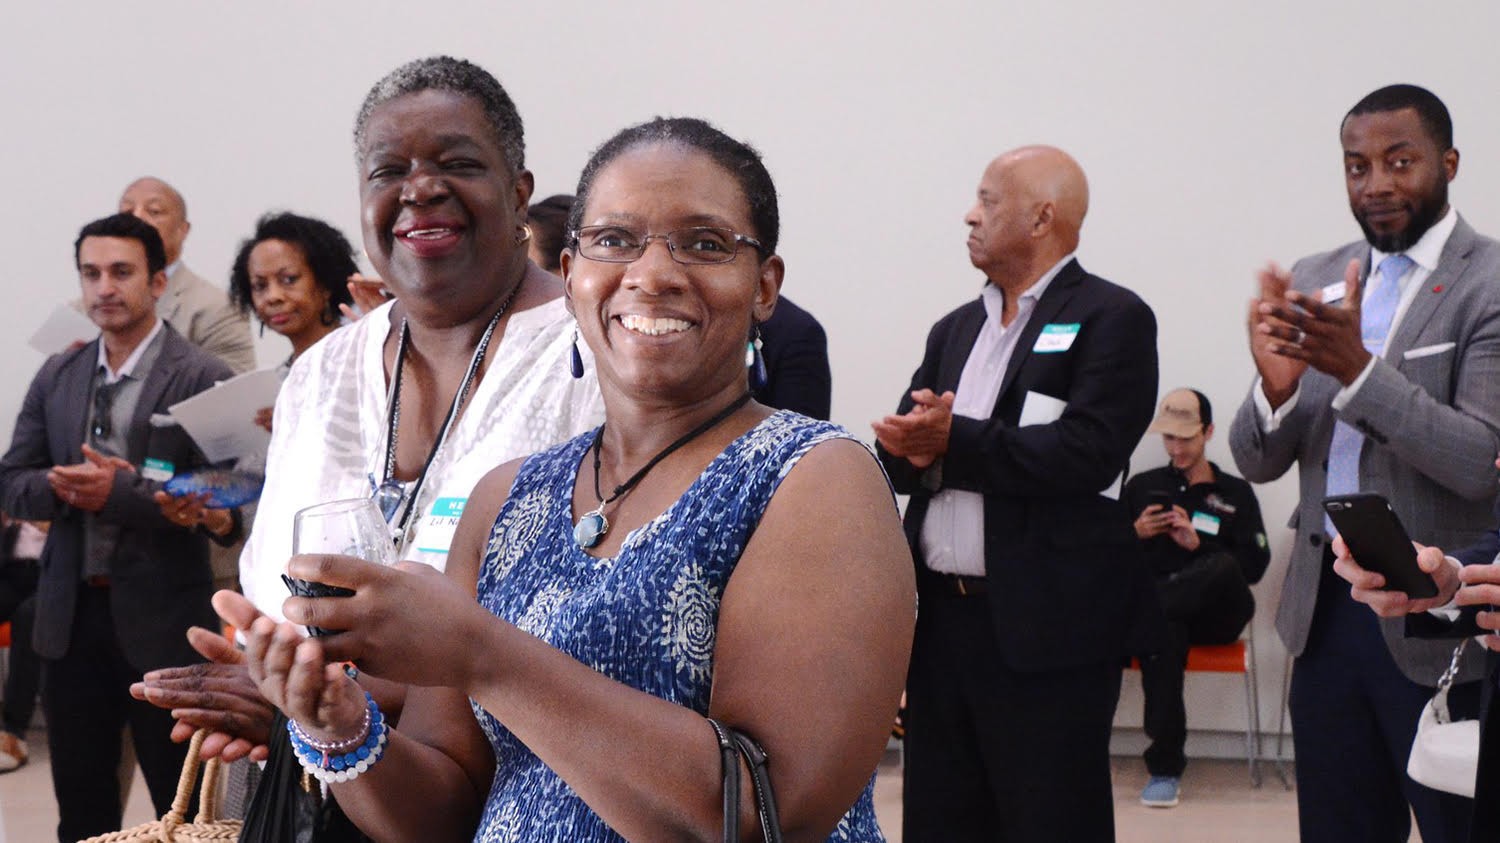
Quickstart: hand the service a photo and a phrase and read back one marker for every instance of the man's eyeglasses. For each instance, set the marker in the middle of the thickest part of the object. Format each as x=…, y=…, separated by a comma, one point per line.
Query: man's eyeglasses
x=104, y=403
x=703, y=245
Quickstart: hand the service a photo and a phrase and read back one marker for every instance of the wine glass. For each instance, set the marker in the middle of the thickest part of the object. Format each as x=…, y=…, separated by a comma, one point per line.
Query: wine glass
x=351, y=527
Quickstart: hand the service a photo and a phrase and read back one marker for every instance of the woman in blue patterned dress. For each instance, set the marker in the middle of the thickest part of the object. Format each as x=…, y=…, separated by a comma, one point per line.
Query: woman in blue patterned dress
x=698, y=555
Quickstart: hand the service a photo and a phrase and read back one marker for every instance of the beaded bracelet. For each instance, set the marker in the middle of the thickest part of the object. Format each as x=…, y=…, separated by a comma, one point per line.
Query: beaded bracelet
x=336, y=747
x=343, y=760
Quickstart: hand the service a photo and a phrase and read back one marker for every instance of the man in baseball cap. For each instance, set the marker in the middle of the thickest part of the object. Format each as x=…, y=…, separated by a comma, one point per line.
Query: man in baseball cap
x=1201, y=531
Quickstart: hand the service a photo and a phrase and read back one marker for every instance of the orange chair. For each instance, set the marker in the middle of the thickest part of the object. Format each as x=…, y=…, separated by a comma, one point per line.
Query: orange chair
x=4, y=657
x=1238, y=657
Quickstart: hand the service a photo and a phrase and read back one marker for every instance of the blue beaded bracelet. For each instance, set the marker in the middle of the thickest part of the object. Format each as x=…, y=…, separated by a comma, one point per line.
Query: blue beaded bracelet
x=342, y=766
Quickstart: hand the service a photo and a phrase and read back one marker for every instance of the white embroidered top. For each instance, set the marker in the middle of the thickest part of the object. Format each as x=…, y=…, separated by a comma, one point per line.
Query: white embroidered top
x=328, y=436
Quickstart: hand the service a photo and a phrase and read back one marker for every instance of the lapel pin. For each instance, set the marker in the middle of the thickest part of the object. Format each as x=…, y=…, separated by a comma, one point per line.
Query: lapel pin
x=1438, y=288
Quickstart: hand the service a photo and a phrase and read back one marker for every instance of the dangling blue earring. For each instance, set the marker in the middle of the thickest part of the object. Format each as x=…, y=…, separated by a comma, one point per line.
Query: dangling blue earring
x=755, y=363
x=576, y=363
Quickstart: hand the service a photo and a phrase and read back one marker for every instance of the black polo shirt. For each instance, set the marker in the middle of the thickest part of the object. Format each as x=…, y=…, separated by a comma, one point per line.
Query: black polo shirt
x=1224, y=512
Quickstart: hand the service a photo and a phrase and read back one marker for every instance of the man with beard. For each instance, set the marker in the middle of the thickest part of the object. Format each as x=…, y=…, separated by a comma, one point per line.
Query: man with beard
x=121, y=578
x=1377, y=367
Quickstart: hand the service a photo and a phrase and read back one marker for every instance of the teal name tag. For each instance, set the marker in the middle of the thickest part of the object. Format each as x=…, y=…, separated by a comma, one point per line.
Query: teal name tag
x=435, y=534
x=1056, y=337
x=1205, y=523
x=448, y=507
x=159, y=470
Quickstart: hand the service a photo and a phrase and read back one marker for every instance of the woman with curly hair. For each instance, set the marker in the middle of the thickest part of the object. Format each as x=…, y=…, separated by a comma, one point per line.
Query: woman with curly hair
x=293, y=273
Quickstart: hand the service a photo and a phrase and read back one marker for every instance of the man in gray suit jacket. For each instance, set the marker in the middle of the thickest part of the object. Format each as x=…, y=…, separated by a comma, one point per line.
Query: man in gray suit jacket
x=198, y=310
x=122, y=577
x=1378, y=367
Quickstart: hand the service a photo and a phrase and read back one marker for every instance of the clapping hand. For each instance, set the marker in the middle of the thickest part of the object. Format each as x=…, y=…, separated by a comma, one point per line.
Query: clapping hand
x=87, y=485
x=1327, y=337
x=219, y=696
x=921, y=435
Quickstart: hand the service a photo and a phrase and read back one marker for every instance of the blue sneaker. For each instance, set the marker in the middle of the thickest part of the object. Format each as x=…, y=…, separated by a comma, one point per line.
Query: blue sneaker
x=1161, y=792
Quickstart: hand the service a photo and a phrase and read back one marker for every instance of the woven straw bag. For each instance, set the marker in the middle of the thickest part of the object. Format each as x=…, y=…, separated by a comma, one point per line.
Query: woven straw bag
x=173, y=828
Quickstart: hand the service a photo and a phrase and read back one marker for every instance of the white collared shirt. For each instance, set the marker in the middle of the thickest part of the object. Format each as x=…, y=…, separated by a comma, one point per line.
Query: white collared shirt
x=953, y=530
x=1425, y=255
x=112, y=376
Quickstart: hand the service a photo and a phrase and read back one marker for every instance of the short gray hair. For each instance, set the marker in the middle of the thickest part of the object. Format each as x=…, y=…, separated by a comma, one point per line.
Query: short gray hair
x=445, y=73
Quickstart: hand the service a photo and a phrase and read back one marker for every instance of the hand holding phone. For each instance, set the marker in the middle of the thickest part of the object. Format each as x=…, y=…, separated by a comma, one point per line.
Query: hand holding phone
x=1154, y=519
x=1378, y=542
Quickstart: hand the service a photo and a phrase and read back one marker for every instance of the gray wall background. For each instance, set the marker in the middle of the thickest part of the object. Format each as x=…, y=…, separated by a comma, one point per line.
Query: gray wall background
x=1208, y=130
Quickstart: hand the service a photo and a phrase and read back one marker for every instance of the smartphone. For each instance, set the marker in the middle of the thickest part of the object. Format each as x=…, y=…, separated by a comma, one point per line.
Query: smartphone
x=1164, y=499
x=1378, y=542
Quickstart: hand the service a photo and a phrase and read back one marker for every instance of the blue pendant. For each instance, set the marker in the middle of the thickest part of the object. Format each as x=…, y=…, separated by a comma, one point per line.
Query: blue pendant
x=590, y=529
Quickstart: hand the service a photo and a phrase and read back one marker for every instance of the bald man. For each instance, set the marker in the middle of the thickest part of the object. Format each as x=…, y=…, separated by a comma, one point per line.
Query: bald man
x=198, y=310
x=1012, y=440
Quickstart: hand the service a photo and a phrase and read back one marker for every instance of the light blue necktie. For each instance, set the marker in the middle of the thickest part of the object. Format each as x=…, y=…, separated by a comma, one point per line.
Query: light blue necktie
x=1375, y=317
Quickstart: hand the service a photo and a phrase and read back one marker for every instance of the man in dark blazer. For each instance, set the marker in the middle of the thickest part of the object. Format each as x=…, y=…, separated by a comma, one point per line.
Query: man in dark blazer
x=795, y=351
x=1468, y=589
x=123, y=577
x=1377, y=364
x=1012, y=442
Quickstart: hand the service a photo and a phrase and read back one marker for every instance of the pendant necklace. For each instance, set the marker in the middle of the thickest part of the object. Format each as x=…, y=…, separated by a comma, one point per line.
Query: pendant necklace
x=390, y=495
x=592, y=526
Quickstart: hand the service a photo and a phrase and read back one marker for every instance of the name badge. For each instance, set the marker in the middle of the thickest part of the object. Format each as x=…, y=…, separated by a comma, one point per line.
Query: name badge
x=1055, y=338
x=1335, y=291
x=439, y=524
x=1205, y=523
x=158, y=470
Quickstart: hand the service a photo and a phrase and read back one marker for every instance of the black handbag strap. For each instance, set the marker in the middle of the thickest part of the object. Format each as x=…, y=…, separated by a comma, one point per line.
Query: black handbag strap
x=730, y=759
x=734, y=744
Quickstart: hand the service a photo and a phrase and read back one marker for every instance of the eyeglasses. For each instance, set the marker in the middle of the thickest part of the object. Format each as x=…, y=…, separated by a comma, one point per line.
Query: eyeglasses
x=613, y=244
x=104, y=403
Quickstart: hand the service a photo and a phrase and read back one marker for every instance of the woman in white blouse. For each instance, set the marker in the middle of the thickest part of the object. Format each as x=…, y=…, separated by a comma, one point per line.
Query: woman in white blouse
x=476, y=331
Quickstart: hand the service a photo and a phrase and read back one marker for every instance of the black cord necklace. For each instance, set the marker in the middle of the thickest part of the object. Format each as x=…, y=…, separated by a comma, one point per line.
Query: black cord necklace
x=592, y=526
x=398, y=502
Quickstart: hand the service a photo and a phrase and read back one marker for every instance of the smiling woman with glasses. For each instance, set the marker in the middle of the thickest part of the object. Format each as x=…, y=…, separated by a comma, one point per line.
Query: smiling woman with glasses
x=684, y=561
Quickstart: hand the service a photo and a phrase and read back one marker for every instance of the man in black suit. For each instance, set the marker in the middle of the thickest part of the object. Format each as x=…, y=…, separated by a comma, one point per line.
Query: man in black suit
x=1468, y=592
x=123, y=576
x=1012, y=442
x=795, y=351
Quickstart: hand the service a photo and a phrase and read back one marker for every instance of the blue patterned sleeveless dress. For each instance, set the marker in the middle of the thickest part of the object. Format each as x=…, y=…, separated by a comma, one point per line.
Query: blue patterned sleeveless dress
x=646, y=617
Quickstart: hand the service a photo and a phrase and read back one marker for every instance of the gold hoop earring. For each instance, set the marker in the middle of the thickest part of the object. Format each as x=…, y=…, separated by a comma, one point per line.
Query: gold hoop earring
x=525, y=233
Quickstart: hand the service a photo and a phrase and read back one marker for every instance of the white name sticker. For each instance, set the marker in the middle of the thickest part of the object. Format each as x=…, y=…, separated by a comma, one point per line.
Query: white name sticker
x=1335, y=291
x=1055, y=338
x=1205, y=523
x=438, y=526
x=159, y=470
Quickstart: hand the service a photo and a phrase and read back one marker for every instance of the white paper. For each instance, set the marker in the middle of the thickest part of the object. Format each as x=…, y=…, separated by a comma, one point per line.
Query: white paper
x=1040, y=409
x=64, y=326
x=1113, y=492
x=222, y=419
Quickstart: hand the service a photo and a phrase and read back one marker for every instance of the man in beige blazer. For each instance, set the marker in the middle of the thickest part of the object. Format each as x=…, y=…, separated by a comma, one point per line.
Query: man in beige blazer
x=198, y=310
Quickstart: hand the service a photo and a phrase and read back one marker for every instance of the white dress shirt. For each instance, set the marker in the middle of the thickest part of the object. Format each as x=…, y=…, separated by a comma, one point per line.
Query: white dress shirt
x=127, y=368
x=953, y=530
